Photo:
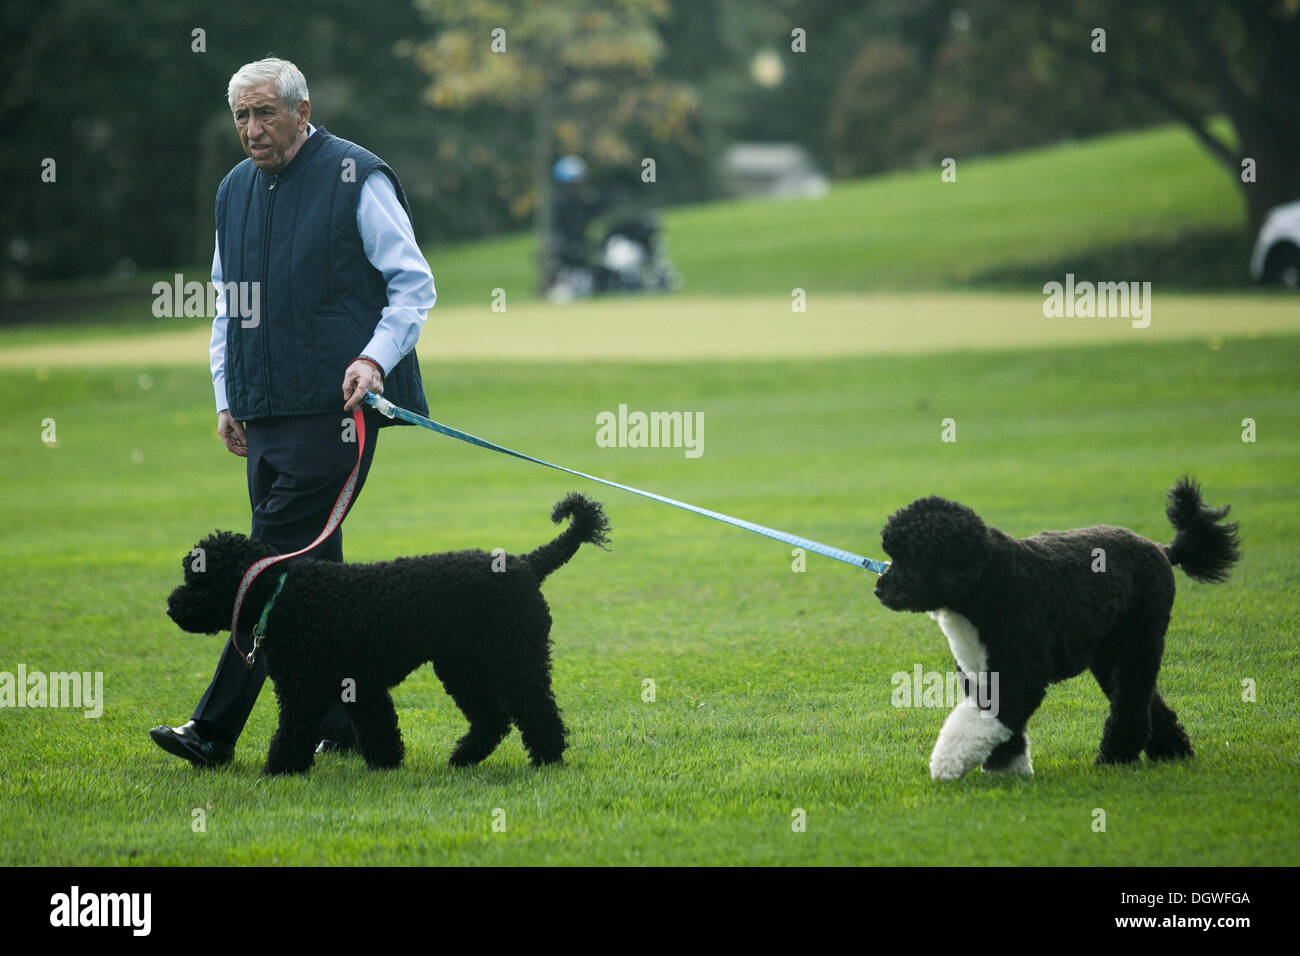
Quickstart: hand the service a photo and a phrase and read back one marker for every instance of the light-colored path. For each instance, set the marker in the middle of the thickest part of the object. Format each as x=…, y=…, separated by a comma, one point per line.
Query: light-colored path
x=663, y=328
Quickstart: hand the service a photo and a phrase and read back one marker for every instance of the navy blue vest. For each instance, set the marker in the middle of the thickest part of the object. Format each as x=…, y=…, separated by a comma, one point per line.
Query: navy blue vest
x=320, y=299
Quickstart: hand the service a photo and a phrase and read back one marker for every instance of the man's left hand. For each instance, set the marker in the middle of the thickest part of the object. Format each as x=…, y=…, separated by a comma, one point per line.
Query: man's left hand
x=362, y=376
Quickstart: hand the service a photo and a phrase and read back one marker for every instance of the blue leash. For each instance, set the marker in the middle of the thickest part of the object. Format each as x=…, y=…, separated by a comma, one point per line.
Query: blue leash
x=389, y=410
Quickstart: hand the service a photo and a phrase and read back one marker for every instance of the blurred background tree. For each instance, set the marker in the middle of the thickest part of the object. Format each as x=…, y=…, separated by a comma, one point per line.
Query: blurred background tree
x=577, y=77
x=129, y=101
x=131, y=104
x=1196, y=60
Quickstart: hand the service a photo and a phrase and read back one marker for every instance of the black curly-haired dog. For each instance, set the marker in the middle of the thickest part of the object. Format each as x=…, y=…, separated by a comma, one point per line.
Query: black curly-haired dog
x=1020, y=614
x=479, y=618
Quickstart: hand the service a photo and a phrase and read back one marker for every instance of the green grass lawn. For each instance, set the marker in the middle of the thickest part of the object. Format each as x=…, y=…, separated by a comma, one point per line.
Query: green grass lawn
x=772, y=688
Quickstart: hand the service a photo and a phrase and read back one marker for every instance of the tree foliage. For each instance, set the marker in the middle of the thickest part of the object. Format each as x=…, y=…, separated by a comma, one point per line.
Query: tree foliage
x=1196, y=60
x=567, y=76
x=133, y=117
x=951, y=78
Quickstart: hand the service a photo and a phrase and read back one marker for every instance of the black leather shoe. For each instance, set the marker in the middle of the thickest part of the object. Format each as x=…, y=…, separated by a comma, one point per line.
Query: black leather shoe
x=333, y=747
x=188, y=743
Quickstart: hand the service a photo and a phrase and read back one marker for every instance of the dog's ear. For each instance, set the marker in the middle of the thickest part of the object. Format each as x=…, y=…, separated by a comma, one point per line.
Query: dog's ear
x=946, y=538
x=966, y=543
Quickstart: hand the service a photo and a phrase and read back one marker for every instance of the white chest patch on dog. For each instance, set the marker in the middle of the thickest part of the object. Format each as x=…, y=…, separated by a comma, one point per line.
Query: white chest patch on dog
x=969, y=734
x=963, y=640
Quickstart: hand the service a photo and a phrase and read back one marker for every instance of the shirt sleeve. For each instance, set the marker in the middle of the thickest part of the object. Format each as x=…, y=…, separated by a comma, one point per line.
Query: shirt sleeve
x=217, y=347
x=389, y=243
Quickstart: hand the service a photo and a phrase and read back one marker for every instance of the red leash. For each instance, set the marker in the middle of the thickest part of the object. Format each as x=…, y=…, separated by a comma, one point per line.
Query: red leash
x=335, y=518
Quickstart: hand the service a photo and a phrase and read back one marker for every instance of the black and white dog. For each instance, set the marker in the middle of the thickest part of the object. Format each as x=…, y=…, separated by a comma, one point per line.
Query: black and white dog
x=1037, y=610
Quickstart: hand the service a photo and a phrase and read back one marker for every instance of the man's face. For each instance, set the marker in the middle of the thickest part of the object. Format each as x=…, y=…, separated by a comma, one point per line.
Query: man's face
x=268, y=130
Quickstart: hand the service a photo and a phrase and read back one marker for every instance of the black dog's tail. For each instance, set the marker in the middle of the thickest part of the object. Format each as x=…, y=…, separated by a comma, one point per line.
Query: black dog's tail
x=1205, y=549
x=589, y=525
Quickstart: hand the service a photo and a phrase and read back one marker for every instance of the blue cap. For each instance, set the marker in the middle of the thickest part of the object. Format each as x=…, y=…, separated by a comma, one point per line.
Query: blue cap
x=569, y=169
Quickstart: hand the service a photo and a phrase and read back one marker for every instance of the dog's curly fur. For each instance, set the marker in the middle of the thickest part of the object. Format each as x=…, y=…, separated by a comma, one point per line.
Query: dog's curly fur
x=1038, y=610
x=486, y=632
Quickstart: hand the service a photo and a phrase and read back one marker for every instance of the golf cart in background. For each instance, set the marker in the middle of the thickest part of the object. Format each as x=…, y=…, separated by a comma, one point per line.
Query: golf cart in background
x=630, y=255
x=1276, y=259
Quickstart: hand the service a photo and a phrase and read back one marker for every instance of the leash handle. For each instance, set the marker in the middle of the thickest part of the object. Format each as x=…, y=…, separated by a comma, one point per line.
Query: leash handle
x=388, y=409
x=335, y=519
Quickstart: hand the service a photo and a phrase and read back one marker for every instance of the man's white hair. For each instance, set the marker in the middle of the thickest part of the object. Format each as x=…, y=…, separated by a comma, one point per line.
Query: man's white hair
x=287, y=78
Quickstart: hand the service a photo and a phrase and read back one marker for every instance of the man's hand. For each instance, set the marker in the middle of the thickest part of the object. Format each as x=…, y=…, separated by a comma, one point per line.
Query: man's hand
x=363, y=375
x=232, y=433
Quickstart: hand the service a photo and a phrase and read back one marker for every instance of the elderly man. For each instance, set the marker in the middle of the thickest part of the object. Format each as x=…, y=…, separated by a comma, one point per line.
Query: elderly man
x=314, y=233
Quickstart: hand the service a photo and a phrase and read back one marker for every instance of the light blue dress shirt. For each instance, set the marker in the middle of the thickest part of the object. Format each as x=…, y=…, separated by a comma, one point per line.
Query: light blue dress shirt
x=389, y=243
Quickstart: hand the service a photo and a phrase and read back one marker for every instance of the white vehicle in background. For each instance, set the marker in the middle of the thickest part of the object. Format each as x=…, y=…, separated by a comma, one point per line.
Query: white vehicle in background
x=1276, y=259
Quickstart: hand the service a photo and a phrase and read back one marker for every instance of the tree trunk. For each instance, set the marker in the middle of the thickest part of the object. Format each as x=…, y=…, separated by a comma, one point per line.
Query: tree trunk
x=213, y=135
x=1275, y=148
x=542, y=131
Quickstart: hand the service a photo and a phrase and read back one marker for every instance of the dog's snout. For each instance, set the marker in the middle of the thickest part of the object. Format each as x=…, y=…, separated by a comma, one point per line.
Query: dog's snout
x=880, y=592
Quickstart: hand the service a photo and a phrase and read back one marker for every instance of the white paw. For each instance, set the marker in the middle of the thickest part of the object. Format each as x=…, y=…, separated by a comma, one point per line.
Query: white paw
x=945, y=768
x=965, y=742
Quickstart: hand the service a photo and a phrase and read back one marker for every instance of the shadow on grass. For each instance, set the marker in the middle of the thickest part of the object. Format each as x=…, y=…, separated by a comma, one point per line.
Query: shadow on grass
x=1186, y=260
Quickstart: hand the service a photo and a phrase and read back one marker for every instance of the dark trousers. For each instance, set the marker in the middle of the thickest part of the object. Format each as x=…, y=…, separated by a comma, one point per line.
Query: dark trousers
x=296, y=468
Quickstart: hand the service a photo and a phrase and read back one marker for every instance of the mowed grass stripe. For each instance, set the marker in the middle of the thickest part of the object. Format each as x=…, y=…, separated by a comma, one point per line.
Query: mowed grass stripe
x=685, y=328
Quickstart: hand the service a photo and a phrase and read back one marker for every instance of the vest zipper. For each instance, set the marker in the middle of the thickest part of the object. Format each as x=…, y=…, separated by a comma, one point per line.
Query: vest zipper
x=266, y=256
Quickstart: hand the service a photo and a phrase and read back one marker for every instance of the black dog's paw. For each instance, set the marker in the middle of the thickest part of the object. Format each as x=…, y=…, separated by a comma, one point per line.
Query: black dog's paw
x=1104, y=759
x=1179, y=750
x=1169, y=743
